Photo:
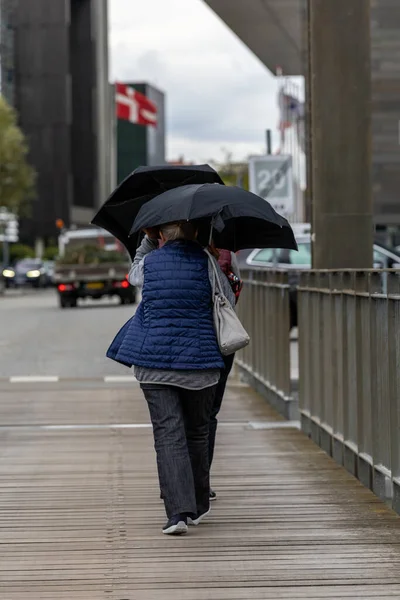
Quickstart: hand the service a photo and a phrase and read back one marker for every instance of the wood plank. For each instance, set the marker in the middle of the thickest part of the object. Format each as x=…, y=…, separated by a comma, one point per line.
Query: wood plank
x=80, y=515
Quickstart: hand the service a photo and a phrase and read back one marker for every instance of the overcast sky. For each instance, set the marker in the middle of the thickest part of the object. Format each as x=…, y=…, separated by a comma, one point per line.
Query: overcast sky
x=219, y=96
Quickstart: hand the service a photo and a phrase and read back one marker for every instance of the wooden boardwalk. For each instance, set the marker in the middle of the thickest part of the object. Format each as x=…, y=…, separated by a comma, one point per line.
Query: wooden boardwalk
x=80, y=516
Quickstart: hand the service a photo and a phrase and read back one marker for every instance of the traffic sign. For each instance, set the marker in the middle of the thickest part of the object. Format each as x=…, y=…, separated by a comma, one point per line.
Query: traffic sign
x=8, y=226
x=271, y=177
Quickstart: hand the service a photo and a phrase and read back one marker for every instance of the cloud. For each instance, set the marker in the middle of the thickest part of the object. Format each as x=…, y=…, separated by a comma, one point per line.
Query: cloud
x=218, y=94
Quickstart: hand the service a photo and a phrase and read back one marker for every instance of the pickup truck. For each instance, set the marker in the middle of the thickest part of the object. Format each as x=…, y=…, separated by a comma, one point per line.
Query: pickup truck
x=92, y=281
x=91, y=266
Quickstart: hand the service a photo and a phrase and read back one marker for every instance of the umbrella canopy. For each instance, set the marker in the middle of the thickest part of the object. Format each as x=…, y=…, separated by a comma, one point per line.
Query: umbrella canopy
x=240, y=219
x=119, y=211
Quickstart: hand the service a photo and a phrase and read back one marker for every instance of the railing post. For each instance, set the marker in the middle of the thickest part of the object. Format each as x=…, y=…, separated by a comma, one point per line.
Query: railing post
x=393, y=289
x=350, y=382
x=265, y=363
x=380, y=384
x=364, y=399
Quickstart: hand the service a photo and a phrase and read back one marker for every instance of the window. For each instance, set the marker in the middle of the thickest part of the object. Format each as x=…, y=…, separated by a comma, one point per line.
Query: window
x=383, y=260
x=300, y=258
x=379, y=259
x=286, y=257
x=265, y=255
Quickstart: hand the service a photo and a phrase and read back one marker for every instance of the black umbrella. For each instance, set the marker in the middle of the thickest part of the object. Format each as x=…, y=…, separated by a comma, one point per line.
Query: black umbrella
x=239, y=218
x=119, y=211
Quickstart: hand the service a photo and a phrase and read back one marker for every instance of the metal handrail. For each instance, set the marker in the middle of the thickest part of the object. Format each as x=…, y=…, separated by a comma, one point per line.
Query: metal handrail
x=349, y=384
x=265, y=313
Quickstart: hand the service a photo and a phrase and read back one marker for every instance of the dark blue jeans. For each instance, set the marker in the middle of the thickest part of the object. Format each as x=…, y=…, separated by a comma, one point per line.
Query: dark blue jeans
x=181, y=419
x=216, y=407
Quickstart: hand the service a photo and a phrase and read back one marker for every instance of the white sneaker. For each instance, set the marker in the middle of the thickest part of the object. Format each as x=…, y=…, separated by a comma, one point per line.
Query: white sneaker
x=176, y=525
x=198, y=519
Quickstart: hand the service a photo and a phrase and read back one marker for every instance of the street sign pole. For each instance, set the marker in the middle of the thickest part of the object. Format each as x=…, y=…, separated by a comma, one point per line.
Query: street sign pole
x=6, y=253
x=8, y=233
x=269, y=141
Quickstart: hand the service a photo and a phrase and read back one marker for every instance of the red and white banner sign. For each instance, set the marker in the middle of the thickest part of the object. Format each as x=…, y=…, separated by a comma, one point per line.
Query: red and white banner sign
x=134, y=107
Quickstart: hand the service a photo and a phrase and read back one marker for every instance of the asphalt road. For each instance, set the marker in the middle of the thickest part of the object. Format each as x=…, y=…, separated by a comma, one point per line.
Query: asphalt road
x=37, y=338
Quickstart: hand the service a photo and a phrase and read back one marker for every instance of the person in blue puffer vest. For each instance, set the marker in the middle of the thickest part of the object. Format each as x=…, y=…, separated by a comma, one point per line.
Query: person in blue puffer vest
x=172, y=345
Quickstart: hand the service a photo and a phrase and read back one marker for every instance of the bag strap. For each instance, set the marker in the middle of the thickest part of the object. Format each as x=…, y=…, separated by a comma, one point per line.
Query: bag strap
x=216, y=279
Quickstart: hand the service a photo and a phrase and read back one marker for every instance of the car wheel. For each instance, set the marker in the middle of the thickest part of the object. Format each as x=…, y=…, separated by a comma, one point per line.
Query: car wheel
x=67, y=302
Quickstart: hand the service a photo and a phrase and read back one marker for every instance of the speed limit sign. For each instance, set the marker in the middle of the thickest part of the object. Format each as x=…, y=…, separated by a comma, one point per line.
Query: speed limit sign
x=271, y=177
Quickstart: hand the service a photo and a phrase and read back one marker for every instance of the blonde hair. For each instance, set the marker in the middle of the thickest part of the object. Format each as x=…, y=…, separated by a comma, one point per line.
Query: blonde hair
x=184, y=230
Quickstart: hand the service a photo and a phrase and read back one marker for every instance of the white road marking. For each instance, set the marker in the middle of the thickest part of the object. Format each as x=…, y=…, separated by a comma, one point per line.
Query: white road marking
x=77, y=427
x=120, y=379
x=34, y=379
x=103, y=426
x=275, y=424
x=88, y=426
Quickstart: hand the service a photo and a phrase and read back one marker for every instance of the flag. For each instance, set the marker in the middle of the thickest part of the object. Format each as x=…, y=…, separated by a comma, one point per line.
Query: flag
x=291, y=113
x=291, y=110
x=134, y=107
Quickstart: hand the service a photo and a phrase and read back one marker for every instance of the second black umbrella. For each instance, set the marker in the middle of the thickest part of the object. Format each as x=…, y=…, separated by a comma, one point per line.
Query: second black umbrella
x=240, y=219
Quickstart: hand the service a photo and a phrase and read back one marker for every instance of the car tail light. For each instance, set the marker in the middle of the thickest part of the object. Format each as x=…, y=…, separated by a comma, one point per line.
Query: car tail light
x=65, y=287
x=121, y=284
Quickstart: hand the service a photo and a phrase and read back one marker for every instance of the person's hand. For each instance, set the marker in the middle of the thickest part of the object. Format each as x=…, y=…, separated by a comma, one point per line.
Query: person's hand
x=152, y=233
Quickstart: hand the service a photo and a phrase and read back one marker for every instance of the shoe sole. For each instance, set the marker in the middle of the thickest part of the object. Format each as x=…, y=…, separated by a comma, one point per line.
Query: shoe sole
x=178, y=529
x=197, y=521
x=213, y=499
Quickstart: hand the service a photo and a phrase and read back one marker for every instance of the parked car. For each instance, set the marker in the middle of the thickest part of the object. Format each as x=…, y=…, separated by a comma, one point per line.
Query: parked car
x=384, y=257
x=29, y=271
x=292, y=261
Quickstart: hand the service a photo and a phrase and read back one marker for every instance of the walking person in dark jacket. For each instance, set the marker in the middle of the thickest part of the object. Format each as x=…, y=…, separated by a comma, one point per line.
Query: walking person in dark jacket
x=172, y=344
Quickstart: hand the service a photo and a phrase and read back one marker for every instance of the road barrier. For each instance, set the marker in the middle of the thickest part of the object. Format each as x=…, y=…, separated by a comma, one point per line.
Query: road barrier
x=349, y=384
x=265, y=313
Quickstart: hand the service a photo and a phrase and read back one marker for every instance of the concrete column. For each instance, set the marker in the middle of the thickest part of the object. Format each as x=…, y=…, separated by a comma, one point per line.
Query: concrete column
x=340, y=111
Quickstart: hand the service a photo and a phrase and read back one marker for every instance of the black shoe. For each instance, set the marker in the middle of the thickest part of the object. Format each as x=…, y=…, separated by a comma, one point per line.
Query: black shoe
x=213, y=495
x=197, y=520
x=176, y=525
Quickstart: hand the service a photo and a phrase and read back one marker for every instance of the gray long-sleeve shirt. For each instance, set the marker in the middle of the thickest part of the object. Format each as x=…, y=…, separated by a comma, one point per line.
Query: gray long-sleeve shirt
x=189, y=379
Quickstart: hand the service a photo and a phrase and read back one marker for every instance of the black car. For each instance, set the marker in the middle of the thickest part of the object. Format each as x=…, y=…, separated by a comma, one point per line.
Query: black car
x=29, y=271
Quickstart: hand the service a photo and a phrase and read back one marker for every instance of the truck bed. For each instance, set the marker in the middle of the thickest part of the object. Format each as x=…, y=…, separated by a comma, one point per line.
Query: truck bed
x=76, y=281
x=86, y=273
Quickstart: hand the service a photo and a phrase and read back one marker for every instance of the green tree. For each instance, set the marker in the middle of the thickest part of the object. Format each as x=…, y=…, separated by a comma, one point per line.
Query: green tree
x=17, y=177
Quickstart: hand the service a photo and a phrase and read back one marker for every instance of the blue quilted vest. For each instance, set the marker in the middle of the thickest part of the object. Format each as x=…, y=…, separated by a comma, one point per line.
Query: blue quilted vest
x=173, y=325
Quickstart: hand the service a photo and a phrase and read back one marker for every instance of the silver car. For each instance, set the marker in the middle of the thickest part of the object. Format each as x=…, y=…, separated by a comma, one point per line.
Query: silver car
x=384, y=258
x=293, y=262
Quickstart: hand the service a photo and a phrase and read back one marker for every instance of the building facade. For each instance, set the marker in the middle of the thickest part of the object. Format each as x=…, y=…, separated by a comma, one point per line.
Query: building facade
x=139, y=145
x=62, y=96
x=385, y=70
x=7, y=50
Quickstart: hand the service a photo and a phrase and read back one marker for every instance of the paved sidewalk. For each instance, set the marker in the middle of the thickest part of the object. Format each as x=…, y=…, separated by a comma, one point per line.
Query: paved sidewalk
x=80, y=515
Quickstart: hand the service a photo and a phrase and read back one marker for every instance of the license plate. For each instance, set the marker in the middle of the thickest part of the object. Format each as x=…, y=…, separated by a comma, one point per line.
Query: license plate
x=94, y=286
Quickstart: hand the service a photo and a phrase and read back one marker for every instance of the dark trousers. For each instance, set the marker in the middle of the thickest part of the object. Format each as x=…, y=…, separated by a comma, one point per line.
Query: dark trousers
x=180, y=421
x=216, y=407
